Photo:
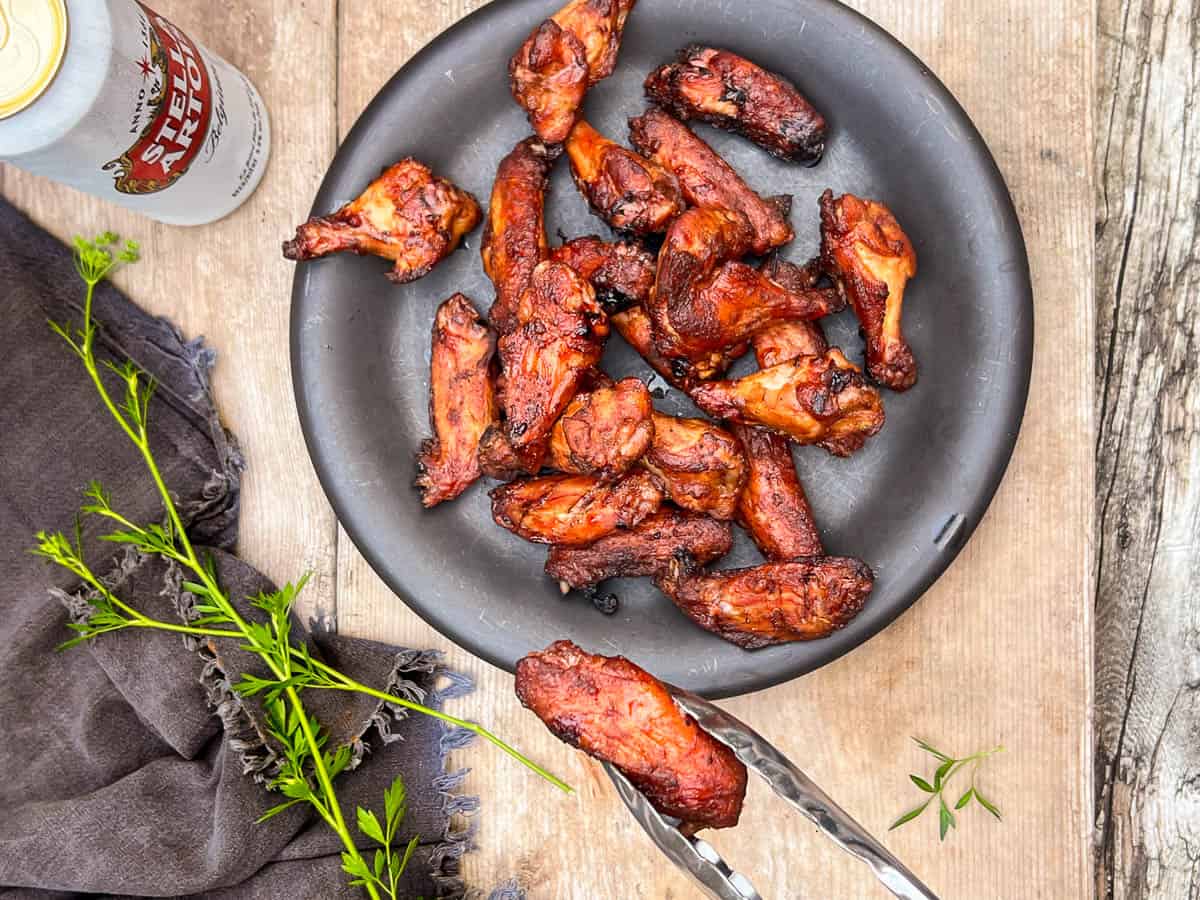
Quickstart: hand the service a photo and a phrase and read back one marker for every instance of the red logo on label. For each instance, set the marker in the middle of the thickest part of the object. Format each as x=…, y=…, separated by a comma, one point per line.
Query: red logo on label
x=180, y=104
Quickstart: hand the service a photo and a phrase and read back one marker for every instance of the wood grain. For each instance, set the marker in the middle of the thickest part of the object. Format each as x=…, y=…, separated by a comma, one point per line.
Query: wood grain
x=1148, y=451
x=988, y=656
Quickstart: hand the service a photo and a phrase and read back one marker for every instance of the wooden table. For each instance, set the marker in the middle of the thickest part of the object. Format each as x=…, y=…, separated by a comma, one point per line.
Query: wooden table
x=998, y=652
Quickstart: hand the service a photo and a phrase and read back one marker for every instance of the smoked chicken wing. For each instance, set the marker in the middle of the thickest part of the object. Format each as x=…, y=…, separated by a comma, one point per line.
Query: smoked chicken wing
x=645, y=549
x=822, y=400
x=617, y=712
x=730, y=92
x=784, y=341
x=772, y=506
x=603, y=432
x=634, y=326
x=699, y=465
x=706, y=179
x=621, y=272
x=564, y=56
x=864, y=246
x=462, y=401
x=559, y=337
x=628, y=192
x=773, y=603
x=514, y=236
x=407, y=215
x=573, y=510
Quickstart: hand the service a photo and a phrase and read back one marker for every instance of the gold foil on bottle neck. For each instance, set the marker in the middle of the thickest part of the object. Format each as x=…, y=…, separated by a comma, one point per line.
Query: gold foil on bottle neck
x=33, y=38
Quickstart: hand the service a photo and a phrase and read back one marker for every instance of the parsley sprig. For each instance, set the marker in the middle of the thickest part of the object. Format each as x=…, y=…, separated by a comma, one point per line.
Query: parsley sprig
x=948, y=767
x=307, y=768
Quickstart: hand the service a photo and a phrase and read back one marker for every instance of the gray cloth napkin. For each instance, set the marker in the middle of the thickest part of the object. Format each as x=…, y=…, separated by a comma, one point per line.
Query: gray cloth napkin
x=129, y=766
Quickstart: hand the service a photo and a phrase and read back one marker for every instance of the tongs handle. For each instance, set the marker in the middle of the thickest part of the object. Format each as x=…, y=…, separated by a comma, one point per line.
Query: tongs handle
x=801, y=792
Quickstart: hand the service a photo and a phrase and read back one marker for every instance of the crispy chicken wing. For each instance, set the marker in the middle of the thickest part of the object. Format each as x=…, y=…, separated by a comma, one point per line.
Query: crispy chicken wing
x=573, y=510
x=645, y=549
x=615, y=711
x=774, y=603
x=784, y=341
x=559, y=337
x=497, y=459
x=407, y=215
x=514, y=236
x=634, y=326
x=462, y=401
x=628, y=192
x=564, y=56
x=864, y=246
x=822, y=400
x=706, y=179
x=621, y=273
x=603, y=432
x=699, y=465
x=730, y=92
x=772, y=506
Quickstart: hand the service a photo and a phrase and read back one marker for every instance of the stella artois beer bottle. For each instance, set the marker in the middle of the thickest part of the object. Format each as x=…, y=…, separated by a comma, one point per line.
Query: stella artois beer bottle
x=111, y=98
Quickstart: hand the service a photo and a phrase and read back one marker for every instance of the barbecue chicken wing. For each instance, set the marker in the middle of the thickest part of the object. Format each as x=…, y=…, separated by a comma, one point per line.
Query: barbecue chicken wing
x=407, y=215
x=573, y=510
x=628, y=192
x=822, y=400
x=784, y=341
x=706, y=179
x=559, y=336
x=772, y=506
x=863, y=246
x=462, y=401
x=497, y=459
x=634, y=326
x=617, y=712
x=699, y=465
x=564, y=56
x=603, y=432
x=621, y=273
x=730, y=92
x=645, y=549
x=774, y=603
x=514, y=236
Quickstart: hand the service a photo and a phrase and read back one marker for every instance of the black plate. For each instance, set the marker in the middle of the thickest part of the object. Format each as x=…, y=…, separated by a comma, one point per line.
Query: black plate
x=906, y=503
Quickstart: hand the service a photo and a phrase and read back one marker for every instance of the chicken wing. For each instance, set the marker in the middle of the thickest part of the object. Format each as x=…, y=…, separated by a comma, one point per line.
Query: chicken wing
x=621, y=273
x=559, y=336
x=645, y=549
x=628, y=192
x=617, y=712
x=407, y=215
x=634, y=326
x=462, y=401
x=774, y=603
x=730, y=92
x=706, y=179
x=699, y=465
x=573, y=510
x=864, y=246
x=497, y=459
x=603, y=432
x=822, y=400
x=784, y=341
x=772, y=506
x=564, y=56
x=514, y=236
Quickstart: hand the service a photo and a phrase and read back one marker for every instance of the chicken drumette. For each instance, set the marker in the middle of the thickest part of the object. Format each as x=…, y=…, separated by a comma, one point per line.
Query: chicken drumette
x=822, y=400
x=645, y=549
x=603, y=432
x=621, y=272
x=407, y=215
x=707, y=180
x=628, y=192
x=864, y=247
x=730, y=92
x=462, y=401
x=699, y=465
x=564, y=56
x=615, y=711
x=573, y=510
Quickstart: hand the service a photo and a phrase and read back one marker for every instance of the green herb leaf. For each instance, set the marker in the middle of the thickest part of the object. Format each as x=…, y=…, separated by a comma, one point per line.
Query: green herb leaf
x=986, y=804
x=930, y=749
x=908, y=816
x=945, y=818
x=941, y=773
x=922, y=783
x=368, y=824
x=965, y=798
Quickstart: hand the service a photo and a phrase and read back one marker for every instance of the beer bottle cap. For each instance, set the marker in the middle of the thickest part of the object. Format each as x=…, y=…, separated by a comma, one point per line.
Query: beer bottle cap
x=33, y=37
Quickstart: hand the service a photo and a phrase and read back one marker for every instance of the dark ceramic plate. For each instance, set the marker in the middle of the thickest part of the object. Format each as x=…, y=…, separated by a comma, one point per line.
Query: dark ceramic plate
x=905, y=504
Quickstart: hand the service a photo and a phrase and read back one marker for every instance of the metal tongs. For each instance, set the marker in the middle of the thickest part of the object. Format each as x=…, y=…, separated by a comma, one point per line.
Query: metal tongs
x=700, y=860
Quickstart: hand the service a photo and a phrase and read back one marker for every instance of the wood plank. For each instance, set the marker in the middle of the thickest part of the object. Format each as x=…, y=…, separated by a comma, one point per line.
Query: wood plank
x=226, y=281
x=1148, y=449
x=946, y=669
